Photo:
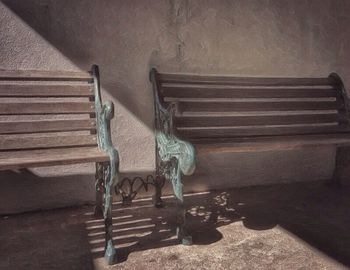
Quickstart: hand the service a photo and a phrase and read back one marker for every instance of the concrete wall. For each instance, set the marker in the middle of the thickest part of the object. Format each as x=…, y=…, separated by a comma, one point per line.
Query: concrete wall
x=126, y=38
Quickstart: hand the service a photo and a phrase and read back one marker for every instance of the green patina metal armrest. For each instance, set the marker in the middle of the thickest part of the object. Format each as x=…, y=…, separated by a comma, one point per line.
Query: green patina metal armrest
x=174, y=157
x=106, y=173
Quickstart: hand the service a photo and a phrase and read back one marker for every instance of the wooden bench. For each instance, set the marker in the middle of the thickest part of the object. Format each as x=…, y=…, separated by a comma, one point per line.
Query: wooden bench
x=57, y=118
x=232, y=114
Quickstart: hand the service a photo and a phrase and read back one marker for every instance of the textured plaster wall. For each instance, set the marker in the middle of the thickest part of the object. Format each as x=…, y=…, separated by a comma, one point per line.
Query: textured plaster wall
x=126, y=38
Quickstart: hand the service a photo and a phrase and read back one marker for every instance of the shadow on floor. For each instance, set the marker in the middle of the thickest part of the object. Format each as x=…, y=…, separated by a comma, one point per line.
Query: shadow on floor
x=312, y=212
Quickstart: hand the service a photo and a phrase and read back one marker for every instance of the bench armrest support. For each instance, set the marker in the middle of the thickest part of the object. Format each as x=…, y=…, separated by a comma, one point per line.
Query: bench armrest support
x=168, y=145
x=174, y=157
x=108, y=171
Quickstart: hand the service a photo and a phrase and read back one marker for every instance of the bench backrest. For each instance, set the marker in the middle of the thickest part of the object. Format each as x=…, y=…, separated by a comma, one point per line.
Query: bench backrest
x=46, y=109
x=226, y=107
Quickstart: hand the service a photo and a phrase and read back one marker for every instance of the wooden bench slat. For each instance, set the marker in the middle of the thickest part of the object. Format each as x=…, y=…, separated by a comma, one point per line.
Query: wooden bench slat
x=231, y=107
x=12, y=142
x=231, y=132
x=43, y=75
x=17, y=127
x=46, y=108
x=251, y=81
x=216, y=121
x=256, y=144
x=172, y=92
x=21, y=90
x=237, y=106
x=10, y=160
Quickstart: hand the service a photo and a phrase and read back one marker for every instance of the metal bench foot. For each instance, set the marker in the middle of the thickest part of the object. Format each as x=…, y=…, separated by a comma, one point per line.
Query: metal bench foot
x=110, y=253
x=181, y=231
x=187, y=240
x=182, y=234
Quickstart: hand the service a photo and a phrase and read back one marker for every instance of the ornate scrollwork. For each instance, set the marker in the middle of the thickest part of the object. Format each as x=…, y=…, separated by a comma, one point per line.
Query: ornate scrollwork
x=128, y=188
x=176, y=157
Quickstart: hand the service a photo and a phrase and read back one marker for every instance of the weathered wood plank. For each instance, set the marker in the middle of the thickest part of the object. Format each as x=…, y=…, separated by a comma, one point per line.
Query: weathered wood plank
x=43, y=75
x=12, y=142
x=256, y=144
x=17, y=127
x=216, y=121
x=46, y=108
x=231, y=132
x=10, y=160
x=222, y=107
x=22, y=90
x=251, y=81
x=175, y=92
x=237, y=106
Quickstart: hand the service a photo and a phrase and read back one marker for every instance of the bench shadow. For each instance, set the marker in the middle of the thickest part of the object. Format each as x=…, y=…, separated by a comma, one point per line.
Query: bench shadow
x=54, y=239
x=70, y=238
x=39, y=191
x=311, y=212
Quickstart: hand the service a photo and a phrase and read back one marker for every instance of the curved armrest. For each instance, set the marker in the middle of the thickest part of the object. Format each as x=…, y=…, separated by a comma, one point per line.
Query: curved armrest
x=103, y=117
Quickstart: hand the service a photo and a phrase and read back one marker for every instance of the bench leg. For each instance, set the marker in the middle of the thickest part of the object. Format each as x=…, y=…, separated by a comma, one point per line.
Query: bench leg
x=176, y=158
x=108, y=177
x=157, y=197
x=99, y=189
x=181, y=230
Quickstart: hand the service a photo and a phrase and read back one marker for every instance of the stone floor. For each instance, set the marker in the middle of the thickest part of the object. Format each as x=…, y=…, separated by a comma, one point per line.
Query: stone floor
x=299, y=226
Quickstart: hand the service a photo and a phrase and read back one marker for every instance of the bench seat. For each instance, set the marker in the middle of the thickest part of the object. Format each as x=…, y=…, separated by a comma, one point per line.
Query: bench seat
x=269, y=143
x=10, y=160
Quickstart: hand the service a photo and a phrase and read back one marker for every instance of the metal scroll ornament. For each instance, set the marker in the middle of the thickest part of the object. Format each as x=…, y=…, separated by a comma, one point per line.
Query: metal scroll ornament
x=175, y=156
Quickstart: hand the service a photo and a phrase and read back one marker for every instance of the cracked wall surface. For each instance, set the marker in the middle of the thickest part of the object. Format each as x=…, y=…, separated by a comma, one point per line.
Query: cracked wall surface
x=126, y=38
